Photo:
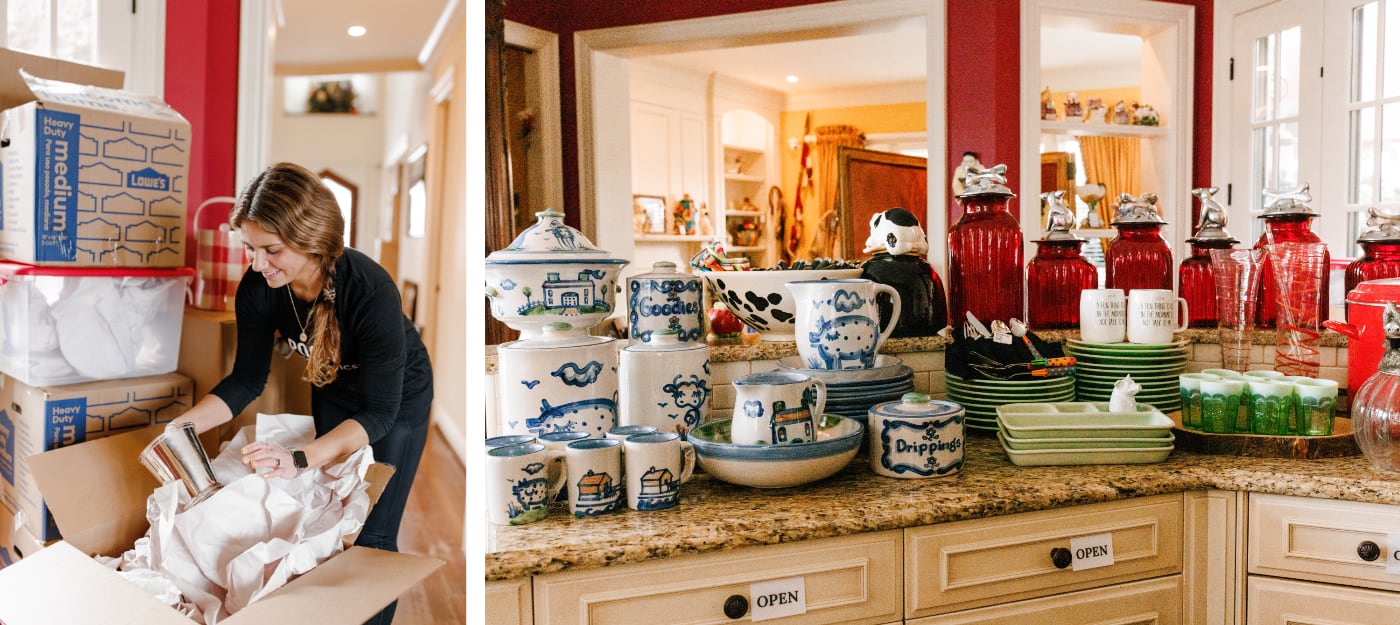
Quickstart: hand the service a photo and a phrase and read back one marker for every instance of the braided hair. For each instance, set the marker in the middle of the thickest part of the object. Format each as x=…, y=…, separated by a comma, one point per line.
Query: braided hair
x=289, y=201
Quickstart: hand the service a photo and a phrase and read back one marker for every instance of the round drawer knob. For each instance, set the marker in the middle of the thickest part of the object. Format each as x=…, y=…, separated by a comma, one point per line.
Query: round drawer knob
x=736, y=606
x=1061, y=557
x=1368, y=551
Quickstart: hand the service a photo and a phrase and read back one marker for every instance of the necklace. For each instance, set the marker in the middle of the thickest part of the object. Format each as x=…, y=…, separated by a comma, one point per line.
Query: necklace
x=298, y=315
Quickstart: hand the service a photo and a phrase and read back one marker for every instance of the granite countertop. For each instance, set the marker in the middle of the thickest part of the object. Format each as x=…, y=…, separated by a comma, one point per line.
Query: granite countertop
x=715, y=516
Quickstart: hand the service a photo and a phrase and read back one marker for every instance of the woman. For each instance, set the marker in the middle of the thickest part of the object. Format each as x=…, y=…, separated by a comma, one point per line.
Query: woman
x=372, y=382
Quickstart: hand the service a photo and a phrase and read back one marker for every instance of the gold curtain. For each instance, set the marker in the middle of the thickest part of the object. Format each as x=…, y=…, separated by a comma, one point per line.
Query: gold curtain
x=822, y=239
x=1115, y=163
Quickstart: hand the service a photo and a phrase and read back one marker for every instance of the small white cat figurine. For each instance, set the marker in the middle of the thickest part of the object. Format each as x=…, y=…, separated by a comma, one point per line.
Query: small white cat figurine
x=1124, y=398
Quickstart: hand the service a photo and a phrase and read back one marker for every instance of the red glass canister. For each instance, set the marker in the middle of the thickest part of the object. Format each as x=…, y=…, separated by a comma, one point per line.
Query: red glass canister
x=1380, y=252
x=1058, y=272
x=986, y=272
x=1138, y=258
x=1288, y=219
x=1196, y=276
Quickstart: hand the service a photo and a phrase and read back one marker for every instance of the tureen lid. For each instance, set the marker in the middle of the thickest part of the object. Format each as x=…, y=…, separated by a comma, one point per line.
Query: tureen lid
x=664, y=269
x=550, y=239
x=1137, y=210
x=1211, y=226
x=990, y=181
x=1384, y=227
x=1059, y=218
x=668, y=340
x=1295, y=201
x=557, y=335
x=916, y=405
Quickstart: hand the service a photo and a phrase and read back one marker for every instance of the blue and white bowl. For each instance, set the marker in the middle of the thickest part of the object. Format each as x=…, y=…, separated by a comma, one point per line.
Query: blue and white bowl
x=551, y=273
x=761, y=299
x=777, y=466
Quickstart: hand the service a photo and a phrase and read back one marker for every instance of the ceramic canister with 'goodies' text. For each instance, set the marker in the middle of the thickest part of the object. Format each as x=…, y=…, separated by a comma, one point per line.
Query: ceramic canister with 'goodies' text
x=665, y=299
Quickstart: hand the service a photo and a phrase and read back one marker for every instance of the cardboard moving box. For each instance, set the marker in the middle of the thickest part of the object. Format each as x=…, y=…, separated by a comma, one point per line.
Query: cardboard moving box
x=106, y=514
x=92, y=176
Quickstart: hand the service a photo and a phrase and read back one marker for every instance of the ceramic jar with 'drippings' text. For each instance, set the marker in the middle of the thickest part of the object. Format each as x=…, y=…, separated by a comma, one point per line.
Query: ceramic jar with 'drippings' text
x=665, y=383
x=559, y=382
x=916, y=437
x=665, y=299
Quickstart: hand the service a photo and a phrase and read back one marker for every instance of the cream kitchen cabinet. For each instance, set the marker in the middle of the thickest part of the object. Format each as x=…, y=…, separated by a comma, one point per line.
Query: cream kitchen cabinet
x=1150, y=602
x=509, y=603
x=851, y=579
x=1321, y=561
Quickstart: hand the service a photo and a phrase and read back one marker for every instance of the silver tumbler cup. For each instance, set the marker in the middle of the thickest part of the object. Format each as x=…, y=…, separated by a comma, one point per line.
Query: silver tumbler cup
x=177, y=454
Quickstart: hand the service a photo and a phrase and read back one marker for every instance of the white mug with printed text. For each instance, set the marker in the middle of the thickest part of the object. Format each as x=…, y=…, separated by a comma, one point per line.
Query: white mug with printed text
x=1101, y=318
x=1153, y=317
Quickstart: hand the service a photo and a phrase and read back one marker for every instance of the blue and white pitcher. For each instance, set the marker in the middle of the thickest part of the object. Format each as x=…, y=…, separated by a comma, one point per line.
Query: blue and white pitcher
x=777, y=408
x=838, y=322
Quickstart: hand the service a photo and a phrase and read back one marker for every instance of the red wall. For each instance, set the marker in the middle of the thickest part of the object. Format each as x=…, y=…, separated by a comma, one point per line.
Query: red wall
x=983, y=74
x=201, y=82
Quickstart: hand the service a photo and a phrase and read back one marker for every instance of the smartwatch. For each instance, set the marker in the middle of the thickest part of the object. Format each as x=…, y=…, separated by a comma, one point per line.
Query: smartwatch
x=299, y=460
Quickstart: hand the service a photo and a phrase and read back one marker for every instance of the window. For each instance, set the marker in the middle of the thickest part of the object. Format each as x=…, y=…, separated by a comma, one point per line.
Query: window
x=347, y=195
x=107, y=33
x=1372, y=111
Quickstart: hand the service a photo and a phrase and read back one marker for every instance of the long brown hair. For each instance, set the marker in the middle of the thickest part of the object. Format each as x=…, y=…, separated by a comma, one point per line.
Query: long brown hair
x=289, y=201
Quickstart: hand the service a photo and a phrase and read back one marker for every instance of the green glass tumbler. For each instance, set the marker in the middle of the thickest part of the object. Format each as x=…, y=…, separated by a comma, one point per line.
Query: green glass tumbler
x=1220, y=405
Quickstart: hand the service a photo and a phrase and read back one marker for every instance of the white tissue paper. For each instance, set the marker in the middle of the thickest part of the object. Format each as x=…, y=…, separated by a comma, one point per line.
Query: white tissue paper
x=253, y=535
x=101, y=324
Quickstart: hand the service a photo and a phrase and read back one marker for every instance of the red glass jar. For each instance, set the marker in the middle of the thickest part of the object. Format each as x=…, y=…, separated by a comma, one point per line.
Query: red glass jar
x=1292, y=227
x=1054, y=279
x=1380, y=258
x=986, y=263
x=1196, y=282
x=1138, y=258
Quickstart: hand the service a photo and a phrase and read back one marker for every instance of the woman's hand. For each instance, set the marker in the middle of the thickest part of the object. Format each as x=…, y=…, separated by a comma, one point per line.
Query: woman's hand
x=271, y=456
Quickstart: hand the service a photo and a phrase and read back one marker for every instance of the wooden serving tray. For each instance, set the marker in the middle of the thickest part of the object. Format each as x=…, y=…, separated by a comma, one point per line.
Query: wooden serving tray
x=1341, y=443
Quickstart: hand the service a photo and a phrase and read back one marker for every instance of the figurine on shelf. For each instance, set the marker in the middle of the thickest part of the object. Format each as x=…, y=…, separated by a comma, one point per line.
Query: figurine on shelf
x=970, y=161
x=1073, y=110
x=1097, y=112
x=1092, y=193
x=1121, y=114
x=1047, y=107
x=639, y=219
x=685, y=215
x=705, y=223
x=1145, y=115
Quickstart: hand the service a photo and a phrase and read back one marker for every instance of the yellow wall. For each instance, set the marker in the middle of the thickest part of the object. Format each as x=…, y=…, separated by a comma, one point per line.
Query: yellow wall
x=886, y=118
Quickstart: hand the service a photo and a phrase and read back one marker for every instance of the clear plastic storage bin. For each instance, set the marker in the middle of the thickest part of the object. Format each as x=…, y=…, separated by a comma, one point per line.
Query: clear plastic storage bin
x=67, y=325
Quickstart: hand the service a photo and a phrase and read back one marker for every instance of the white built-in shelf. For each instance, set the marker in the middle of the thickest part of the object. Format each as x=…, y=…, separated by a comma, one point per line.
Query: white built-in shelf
x=739, y=213
x=672, y=238
x=743, y=178
x=744, y=248
x=728, y=147
x=1079, y=129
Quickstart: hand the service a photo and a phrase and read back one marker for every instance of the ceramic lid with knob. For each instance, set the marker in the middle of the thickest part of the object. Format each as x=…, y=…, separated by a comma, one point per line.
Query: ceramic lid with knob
x=551, y=240
x=1137, y=210
x=557, y=335
x=916, y=406
x=664, y=341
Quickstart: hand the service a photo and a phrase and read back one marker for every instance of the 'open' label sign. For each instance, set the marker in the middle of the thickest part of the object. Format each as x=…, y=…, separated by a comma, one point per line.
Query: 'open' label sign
x=778, y=598
x=1392, y=559
x=1091, y=552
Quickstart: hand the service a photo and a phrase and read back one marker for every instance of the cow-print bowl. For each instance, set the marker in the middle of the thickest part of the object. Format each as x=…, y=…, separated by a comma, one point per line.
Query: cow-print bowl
x=761, y=299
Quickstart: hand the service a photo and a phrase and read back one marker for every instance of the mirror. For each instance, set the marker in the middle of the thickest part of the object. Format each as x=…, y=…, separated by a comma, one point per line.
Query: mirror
x=871, y=182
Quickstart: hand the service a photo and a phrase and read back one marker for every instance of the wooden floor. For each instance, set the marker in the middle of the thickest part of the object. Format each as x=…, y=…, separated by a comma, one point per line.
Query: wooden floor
x=432, y=526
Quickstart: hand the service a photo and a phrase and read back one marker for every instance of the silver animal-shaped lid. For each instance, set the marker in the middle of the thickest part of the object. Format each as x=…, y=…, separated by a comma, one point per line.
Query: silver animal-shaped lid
x=1059, y=219
x=1384, y=226
x=1211, y=226
x=989, y=181
x=1137, y=210
x=1295, y=201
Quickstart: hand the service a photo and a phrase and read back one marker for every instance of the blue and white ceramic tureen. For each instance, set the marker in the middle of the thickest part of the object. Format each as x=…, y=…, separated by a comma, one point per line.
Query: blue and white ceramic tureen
x=551, y=273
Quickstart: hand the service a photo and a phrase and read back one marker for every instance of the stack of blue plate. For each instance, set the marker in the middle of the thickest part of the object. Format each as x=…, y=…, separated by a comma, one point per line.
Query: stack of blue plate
x=851, y=392
x=1156, y=368
x=982, y=397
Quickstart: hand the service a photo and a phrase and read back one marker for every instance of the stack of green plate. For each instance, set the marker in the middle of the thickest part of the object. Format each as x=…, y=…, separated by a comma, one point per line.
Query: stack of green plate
x=1155, y=368
x=1069, y=433
x=982, y=397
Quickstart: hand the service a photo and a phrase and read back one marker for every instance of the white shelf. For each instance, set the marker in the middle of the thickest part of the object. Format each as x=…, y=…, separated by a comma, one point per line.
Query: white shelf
x=1078, y=129
x=739, y=148
x=673, y=238
x=743, y=178
x=744, y=248
x=738, y=213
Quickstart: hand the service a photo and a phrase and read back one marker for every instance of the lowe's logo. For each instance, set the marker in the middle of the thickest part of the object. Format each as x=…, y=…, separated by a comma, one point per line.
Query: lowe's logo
x=148, y=178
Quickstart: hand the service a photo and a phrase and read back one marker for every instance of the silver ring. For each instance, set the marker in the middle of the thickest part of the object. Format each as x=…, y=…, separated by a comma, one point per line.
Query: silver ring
x=278, y=465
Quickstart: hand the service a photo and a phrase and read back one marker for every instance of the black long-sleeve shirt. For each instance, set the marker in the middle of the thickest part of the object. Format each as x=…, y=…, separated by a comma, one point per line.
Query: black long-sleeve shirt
x=382, y=358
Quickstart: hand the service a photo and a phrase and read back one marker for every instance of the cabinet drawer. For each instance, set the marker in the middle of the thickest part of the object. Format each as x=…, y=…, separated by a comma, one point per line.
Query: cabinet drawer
x=508, y=602
x=973, y=563
x=853, y=579
x=1319, y=539
x=1286, y=602
x=1151, y=602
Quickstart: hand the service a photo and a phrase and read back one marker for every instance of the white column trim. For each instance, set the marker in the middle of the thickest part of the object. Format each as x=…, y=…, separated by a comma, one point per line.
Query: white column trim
x=257, y=40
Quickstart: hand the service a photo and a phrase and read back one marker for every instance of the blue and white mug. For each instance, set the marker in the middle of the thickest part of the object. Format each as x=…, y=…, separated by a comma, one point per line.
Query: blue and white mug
x=777, y=408
x=916, y=437
x=655, y=465
x=665, y=299
x=518, y=483
x=595, y=476
x=838, y=322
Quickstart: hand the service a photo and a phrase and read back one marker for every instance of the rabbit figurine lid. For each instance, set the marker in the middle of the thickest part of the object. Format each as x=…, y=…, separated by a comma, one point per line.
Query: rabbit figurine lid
x=1059, y=218
x=1137, y=210
x=895, y=232
x=1211, y=226
x=1384, y=226
x=1295, y=201
x=550, y=239
x=989, y=181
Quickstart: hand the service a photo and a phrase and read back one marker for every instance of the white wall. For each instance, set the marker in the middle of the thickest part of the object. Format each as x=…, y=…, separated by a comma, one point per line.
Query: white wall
x=350, y=145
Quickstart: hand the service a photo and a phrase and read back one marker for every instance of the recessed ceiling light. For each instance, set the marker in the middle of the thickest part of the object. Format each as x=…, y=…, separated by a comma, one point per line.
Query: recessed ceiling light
x=791, y=79
x=356, y=31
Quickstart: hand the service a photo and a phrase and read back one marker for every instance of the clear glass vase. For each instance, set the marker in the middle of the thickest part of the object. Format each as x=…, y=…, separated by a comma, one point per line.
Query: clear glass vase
x=1299, y=271
x=1237, y=274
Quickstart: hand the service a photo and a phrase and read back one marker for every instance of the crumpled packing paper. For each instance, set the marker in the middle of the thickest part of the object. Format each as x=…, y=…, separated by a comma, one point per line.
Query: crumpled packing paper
x=253, y=535
x=96, y=326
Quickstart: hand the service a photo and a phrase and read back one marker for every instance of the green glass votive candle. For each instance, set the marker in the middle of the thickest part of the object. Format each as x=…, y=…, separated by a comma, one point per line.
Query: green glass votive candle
x=1220, y=405
x=1316, y=406
x=1224, y=373
x=1270, y=406
x=1191, y=398
x=1293, y=416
